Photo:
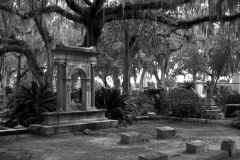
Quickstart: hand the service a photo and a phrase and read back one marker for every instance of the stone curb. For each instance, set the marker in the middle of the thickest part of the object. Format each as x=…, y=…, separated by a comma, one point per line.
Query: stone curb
x=13, y=131
x=179, y=119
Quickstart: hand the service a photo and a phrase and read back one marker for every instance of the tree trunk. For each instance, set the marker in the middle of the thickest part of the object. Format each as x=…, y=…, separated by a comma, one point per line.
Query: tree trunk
x=194, y=75
x=157, y=79
x=93, y=33
x=48, y=41
x=18, y=71
x=162, y=78
x=126, y=75
x=116, y=80
x=141, y=80
x=34, y=67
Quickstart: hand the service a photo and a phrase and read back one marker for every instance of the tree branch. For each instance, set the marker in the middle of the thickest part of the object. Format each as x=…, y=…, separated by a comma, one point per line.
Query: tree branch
x=13, y=42
x=44, y=10
x=170, y=21
x=163, y=4
x=23, y=73
x=77, y=8
x=88, y=2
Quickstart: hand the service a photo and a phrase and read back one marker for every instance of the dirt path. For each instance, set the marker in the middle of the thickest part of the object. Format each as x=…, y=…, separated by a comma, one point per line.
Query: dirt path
x=107, y=146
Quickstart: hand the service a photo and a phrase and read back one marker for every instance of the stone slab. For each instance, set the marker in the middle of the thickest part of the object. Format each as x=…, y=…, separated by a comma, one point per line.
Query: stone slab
x=196, y=146
x=151, y=114
x=153, y=156
x=214, y=155
x=165, y=132
x=143, y=118
x=131, y=137
x=230, y=146
x=56, y=118
x=47, y=130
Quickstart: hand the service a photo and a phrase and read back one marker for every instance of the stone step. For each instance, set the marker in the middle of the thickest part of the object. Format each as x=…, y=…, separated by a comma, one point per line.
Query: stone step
x=48, y=130
x=213, y=111
x=212, y=107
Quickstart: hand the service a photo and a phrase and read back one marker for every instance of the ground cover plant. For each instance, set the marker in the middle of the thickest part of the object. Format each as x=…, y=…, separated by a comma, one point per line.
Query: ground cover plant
x=106, y=146
x=27, y=104
x=118, y=105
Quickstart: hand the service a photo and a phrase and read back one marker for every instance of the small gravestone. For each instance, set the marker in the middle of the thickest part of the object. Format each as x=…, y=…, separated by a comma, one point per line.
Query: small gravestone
x=151, y=114
x=230, y=146
x=131, y=137
x=220, y=116
x=153, y=156
x=165, y=132
x=196, y=146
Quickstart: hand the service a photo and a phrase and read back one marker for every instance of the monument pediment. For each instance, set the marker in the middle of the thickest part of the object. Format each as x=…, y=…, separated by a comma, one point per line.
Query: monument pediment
x=73, y=50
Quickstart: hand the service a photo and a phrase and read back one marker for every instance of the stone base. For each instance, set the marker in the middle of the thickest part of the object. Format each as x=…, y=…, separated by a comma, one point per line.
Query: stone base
x=48, y=130
x=196, y=147
x=230, y=146
x=131, y=137
x=165, y=132
x=153, y=156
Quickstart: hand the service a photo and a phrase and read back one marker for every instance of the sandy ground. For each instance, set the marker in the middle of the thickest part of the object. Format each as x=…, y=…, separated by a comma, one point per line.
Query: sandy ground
x=107, y=147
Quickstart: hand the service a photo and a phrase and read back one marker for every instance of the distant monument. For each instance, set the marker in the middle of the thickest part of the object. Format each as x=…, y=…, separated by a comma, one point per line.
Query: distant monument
x=236, y=82
x=72, y=61
x=199, y=87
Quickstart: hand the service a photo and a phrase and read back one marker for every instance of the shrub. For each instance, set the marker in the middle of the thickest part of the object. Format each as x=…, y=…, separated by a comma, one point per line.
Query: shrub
x=188, y=85
x=236, y=121
x=76, y=95
x=158, y=98
x=119, y=106
x=28, y=103
x=225, y=95
x=142, y=101
x=185, y=103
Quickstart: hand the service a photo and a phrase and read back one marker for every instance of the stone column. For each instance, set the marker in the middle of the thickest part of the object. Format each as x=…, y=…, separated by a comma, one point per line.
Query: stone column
x=60, y=66
x=67, y=95
x=86, y=94
x=236, y=82
x=209, y=90
x=93, y=87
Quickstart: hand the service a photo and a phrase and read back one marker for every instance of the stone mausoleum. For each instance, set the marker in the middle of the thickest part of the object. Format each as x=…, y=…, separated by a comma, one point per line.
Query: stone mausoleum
x=70, y=62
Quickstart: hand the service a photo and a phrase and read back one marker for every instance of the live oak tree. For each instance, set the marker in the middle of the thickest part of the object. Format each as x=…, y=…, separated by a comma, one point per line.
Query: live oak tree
x=94, y=14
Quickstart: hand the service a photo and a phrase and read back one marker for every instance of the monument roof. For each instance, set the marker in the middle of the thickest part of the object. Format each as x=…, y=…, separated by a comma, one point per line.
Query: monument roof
x=60, y=48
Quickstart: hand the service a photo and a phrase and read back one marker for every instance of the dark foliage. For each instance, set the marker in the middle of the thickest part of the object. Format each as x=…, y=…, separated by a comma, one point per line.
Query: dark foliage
x=119, y=106
x=143, y=102
x=76, y=95
x=29, y=102
x=8, y=90
x=188, y=85
x=185, y=103
x=225, y=95
x=158, y=98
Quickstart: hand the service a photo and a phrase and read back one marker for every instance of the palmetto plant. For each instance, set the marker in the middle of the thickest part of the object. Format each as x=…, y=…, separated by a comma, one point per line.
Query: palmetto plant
x=119, y=106
x=29, y=102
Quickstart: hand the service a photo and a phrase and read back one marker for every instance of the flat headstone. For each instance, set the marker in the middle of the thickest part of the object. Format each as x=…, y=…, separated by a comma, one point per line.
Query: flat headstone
x=153, y=156
x=151, y=114
x=130, y=137
x=165, y=132
x=196, y=146
x=230, y=146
